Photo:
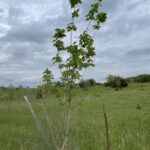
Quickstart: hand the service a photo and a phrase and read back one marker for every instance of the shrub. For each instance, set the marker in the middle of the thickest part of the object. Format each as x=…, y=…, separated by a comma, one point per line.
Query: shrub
x=11, y=90
x=87, y=83
x=91, y=82
x=138, y=106
x=116, y=82
x=39, y=93
x=4, y=95
x=58, y=84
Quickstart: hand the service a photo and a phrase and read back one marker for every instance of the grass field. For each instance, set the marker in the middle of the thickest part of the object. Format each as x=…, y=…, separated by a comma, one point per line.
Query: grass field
x=129, y=127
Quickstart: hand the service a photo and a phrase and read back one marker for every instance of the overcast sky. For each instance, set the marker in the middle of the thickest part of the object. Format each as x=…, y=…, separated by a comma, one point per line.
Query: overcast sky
x=26, y=30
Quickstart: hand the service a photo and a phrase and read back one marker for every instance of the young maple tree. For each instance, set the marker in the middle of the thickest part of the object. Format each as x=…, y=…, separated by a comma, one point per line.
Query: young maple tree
x=81, y=51
x=46, y=81
x=47, y=77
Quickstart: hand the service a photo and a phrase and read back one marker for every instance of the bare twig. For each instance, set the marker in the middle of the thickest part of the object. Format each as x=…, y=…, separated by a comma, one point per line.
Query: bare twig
x=106, y=129
x=88, y=26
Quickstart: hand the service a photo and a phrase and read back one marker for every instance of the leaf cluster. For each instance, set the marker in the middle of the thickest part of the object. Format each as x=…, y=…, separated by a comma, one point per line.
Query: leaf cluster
x=81, y=51
x=73, y=3
x=96, y=15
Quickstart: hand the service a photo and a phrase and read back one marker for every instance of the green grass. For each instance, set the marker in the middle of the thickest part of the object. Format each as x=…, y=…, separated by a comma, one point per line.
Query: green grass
x=129, y=127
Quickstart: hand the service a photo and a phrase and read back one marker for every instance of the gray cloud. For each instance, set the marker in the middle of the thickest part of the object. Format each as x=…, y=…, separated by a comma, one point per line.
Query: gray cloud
x=122, y=44
x=138, y=53
x=1, y=10
x=33, y=32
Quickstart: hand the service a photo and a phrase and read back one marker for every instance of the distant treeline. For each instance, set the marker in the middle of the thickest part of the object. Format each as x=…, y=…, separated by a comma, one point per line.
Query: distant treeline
x=118, y=82
x=144, y=78
x=113, y=81
x=15, y=93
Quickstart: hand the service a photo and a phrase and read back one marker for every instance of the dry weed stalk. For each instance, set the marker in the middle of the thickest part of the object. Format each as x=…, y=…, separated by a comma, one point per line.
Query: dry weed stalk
x=37, y=123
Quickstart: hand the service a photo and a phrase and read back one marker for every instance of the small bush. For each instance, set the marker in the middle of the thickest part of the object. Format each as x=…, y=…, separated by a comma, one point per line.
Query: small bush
x=116, y=82
x=4, y=95
x=138, y=106
x=58, y=84
x=87, y=83
x=39, y=93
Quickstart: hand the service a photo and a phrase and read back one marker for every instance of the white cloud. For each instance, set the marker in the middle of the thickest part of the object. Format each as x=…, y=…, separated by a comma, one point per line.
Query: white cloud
x=4, y=57
x=4, y=28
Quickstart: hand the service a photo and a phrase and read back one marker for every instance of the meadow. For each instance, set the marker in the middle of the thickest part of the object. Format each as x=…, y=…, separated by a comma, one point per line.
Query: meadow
x=128, y=112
